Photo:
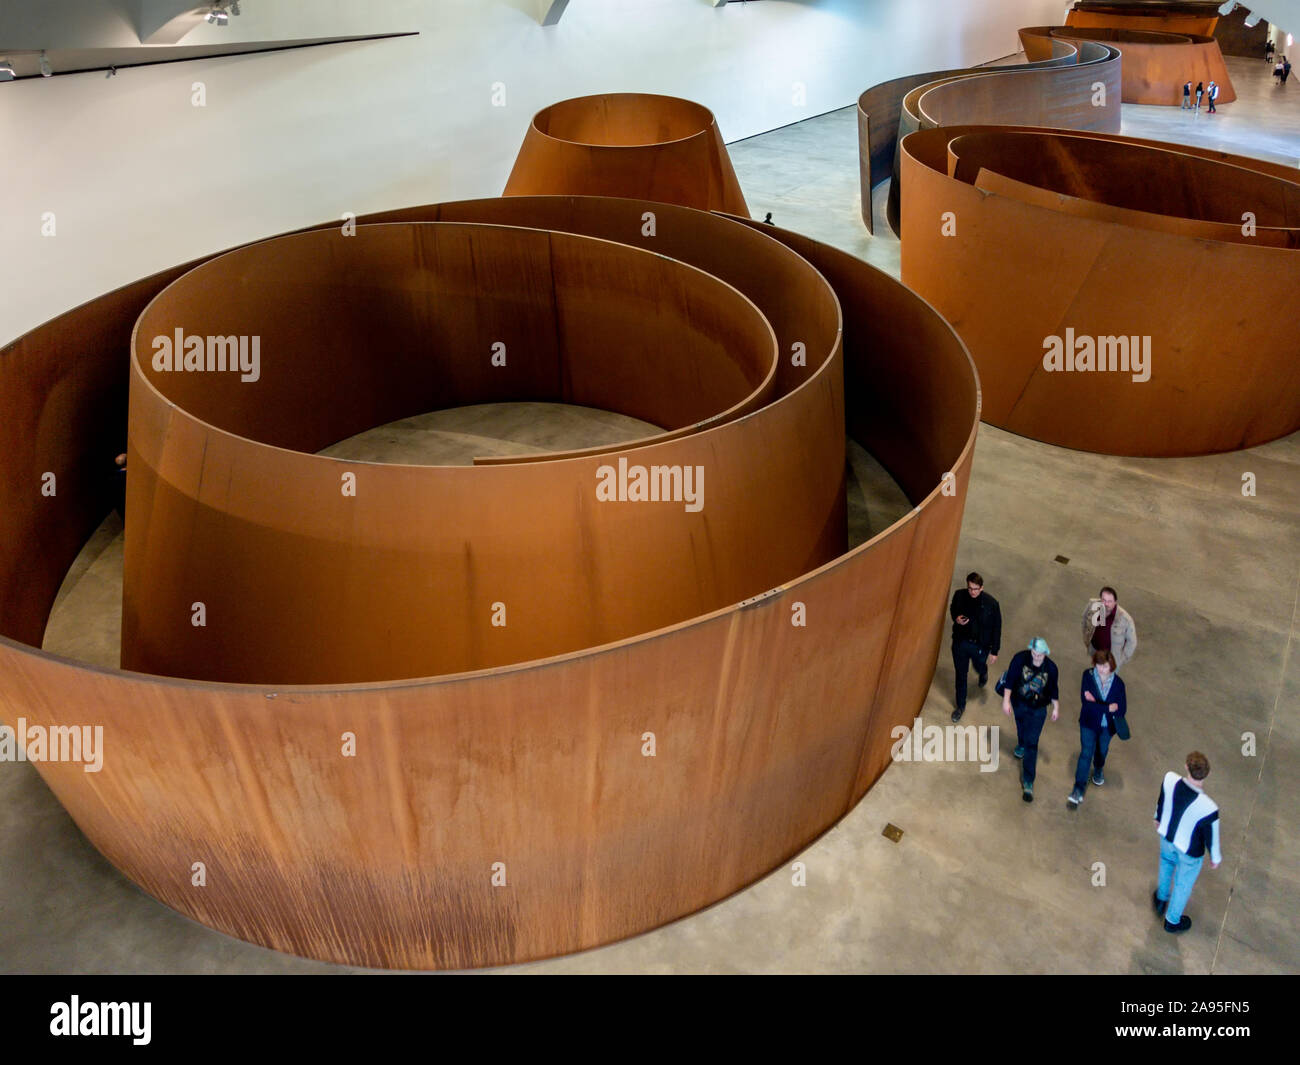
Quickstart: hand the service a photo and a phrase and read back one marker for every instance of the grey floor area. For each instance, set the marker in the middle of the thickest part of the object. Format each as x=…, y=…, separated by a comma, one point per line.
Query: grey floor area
x=979, y=882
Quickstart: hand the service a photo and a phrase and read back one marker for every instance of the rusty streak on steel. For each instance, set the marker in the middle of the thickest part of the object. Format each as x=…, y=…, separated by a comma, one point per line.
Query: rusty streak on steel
x=767, y=732
x=1057, y=88
x=1023, y=238
x=628, y=144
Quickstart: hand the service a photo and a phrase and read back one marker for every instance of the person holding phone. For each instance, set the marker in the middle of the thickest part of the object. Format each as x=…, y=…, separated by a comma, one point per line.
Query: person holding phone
x=976, y=635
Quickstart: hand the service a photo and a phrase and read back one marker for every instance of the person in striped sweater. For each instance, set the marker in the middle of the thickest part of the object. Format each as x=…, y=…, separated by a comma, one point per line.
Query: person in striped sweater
x=1188, y=822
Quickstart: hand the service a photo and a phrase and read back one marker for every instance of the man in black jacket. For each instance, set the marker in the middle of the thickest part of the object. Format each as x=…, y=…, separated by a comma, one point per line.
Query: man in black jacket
x=976, y=635
x=1032, y=684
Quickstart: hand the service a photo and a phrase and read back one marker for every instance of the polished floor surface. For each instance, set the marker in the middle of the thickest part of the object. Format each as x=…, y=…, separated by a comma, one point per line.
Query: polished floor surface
x=979, y=881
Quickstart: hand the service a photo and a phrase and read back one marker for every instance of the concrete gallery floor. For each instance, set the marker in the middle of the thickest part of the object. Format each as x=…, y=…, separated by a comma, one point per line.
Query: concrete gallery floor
x=979, y=881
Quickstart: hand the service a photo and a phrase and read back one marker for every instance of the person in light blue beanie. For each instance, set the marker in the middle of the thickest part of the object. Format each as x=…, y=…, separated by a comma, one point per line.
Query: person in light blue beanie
x=1027, y=687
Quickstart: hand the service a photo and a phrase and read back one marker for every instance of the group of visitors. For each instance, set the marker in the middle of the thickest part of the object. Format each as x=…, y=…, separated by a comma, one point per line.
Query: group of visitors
x=1186, y=818
x=1281, y=67
x=1210, y=93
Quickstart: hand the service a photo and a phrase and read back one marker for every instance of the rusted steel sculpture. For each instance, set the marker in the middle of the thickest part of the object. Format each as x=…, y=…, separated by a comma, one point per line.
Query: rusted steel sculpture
x=511, y=812
x=1110, y=290
x=1059, y=87
x=628, y=144
x=1156, y=65
x=1165, y=18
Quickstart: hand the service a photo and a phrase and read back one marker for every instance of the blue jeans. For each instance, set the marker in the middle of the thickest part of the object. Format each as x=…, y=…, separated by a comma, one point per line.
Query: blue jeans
x=1029, y=724
x=1093, y=745
x=1182, y=871
x=964, y=653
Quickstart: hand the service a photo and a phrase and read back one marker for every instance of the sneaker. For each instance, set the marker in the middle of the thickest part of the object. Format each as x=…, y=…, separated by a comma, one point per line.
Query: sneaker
x=1019, y=752
x=956, y=714
x=1182, y=926
x=1098, y=779
x=1159, y=903
x=1075, y=797
x=1028, y=793
x=984, y=678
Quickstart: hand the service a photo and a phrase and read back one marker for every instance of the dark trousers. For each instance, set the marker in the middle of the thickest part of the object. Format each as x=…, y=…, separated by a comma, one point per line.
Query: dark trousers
x=1093, y=745
x=1212, y=108
x=964, y=653
x=1029, y=725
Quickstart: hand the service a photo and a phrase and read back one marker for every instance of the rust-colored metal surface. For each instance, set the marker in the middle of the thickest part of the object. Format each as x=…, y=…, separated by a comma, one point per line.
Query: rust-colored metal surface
x=1140, y=17
x=1038, y=242
x=1058, y=88
x=628, y=144
x=1155, y=65
x=508, y=813
x=404, y=318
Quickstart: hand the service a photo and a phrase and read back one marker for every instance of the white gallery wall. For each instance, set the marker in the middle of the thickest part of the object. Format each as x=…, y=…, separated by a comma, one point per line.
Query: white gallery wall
x=138, y=178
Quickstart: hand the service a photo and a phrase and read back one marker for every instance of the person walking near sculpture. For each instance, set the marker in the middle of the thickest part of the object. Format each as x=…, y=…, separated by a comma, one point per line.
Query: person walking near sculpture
x=1212, y=94
x=1268, y=51
x=1187, y=96
x=1188, y=822
x=1286, y=69
x=976, y=635
x=119, y=485
x=1107, y=626
x=1103, y=704
x=1028, y=686
x=1200, y=91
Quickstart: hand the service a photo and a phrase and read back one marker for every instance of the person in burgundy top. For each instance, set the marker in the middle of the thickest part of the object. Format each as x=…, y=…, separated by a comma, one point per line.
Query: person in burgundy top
x=1107, y=626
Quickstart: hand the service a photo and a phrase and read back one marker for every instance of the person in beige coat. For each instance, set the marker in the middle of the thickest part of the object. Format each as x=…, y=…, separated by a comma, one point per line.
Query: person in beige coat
x=1107, y=626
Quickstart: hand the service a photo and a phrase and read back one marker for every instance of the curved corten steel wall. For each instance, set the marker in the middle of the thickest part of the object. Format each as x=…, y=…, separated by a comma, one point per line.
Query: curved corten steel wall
x=1059, y=88
x=1156, y=65
x=1038, y=243
x=531, y=775
x=1134, y=17
x=402, y=319
x=628, y=144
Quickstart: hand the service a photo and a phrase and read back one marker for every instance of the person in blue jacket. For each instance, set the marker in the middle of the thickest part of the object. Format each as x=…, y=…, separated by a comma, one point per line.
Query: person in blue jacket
x=1102, y=699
